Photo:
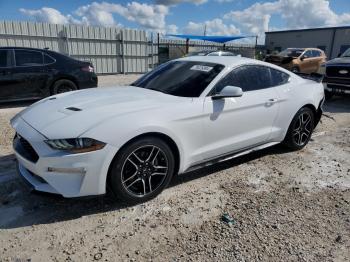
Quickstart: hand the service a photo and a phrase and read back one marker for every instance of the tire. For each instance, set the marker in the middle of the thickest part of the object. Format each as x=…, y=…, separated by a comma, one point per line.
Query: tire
x=141, y=170
x=328, y=95
x=300, y=129
x=62, y=86
x=295, y=69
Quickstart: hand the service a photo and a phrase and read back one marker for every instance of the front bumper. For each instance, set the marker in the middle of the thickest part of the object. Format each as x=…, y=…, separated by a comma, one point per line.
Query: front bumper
x=337, y=85
x=70, y=175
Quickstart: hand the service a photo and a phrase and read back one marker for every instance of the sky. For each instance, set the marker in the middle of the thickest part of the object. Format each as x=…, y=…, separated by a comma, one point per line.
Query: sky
x=218, y=17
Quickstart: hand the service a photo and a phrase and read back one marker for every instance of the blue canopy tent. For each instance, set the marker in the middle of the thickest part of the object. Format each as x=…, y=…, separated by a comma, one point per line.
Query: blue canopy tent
x=216, y=39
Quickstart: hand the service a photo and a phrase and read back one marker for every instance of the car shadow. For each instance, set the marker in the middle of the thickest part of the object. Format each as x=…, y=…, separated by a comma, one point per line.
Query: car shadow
x=20, y=207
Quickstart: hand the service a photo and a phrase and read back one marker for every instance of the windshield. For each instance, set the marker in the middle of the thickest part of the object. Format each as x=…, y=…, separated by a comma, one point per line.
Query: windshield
x=291, y=52
x=346, y=53
x=180, y=78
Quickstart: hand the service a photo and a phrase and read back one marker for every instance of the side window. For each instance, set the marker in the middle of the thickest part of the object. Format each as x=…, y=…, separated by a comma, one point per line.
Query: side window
x=5, y=58
x=249, y=78
x=316, y=53
x=48, y=59
x=278, y=77
x=308, y=54
x=28, y=58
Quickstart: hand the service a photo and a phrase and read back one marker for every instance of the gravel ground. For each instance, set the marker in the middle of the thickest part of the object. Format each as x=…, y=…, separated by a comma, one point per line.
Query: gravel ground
x=282, y=206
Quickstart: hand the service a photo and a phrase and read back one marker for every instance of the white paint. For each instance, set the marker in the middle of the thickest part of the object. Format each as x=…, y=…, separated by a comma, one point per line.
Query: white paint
x=200, y=127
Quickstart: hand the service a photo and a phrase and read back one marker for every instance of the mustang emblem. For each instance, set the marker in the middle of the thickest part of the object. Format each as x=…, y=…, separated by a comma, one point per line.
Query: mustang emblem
x=343, y=72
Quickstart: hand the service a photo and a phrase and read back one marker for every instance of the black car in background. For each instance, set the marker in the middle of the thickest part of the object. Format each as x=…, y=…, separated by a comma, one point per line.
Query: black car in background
x=337, y=75
x=29, y=73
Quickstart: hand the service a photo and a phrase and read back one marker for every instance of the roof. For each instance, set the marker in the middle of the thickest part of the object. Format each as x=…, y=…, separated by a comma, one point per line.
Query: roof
x=232, y=61
x=217, y=39
x=22, y=47
x=309, y=29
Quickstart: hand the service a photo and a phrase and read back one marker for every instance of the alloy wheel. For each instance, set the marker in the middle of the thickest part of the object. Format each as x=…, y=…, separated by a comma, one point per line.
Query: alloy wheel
x=302, y=129
x=144, y=170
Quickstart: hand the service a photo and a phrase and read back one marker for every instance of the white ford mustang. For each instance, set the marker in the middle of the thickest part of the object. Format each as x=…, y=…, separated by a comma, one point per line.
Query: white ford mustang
x=184, y=114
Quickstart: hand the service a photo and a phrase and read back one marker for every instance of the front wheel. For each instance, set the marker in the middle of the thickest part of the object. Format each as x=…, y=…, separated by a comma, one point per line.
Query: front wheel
x=300, y=129
x=142, y=170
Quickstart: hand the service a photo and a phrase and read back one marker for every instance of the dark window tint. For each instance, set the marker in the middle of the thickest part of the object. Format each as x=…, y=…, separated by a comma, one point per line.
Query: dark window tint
x=316, y=53
x=278, y=77
x=249, y=78
x=4, y=58
x=180, y=78
x=28, y=58
x=48, y=59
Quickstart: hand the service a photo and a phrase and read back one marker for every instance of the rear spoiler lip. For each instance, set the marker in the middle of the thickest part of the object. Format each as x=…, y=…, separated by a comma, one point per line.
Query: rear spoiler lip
x=313, y=76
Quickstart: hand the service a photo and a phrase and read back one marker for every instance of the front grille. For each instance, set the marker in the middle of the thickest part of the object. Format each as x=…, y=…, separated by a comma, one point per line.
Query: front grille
x=334, y=71
x=335, y=86
x=25, y=149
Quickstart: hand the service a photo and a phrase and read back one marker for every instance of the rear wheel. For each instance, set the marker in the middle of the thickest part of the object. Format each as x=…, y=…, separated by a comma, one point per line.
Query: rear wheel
x=62, y=86
x=300, y=129
x=142, y=170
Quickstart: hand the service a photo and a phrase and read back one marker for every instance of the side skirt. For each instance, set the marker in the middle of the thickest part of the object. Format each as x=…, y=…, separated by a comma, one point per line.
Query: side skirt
x=228, y=156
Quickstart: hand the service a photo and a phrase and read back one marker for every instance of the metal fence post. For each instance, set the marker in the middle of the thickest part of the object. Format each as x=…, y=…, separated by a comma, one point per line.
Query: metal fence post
x=123, y=58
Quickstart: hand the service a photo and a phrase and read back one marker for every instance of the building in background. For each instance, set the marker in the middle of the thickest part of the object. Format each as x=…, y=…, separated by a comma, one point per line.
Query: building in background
x=332, y=40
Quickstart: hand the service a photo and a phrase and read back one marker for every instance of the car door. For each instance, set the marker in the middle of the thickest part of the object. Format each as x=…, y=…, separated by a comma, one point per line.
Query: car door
x=30, y=73
x=307, y=62
x=318, y=60
x=236, y=124
x=7, y=82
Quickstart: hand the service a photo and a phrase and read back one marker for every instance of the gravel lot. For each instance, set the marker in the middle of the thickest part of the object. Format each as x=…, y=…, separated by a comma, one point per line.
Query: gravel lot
x=284, y=206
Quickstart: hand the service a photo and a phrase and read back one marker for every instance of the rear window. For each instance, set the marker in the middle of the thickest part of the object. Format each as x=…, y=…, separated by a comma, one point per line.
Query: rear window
x=28, y=58
x=180, y=78
x=48, y=59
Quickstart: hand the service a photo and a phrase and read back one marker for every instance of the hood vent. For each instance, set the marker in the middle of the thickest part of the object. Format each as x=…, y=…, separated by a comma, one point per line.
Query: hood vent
x=73, y=108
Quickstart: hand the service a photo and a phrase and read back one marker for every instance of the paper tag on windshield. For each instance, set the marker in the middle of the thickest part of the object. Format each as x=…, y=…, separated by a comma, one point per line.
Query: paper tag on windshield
x=202, y=68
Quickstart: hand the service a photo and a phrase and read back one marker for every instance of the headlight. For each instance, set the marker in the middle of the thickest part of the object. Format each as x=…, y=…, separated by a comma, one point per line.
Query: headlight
x=76, y=145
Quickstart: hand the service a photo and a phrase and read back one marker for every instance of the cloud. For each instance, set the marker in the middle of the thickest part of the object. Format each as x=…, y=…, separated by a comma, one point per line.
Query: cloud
x=224, y=1
x=295, y=14
x=47, y=14
x=176, y=2
x=102, y=14
x=172, y=29
x=147, y=16
x=213, y=27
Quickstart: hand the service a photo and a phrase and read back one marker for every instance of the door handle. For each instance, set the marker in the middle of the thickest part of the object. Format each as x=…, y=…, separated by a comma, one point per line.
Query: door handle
x=271, y=101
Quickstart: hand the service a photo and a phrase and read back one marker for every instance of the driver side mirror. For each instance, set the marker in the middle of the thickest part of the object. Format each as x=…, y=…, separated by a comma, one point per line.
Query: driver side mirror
x=303, y=57
x=228, y=91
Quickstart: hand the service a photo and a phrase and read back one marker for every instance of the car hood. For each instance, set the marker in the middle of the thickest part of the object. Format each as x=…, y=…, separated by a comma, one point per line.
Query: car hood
x=339, y=61
x=71, y=114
